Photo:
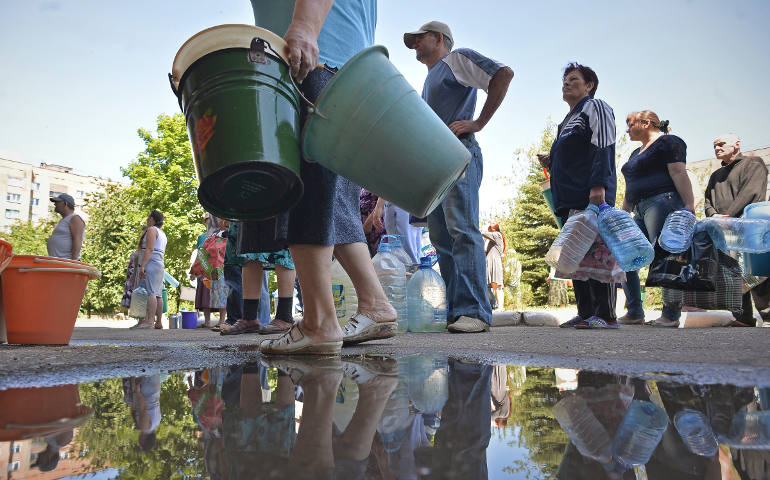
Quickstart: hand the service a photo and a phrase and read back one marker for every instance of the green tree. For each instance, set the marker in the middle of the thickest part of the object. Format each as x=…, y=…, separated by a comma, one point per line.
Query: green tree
x=29, y=238
x=529, y=224
x=112, y=233
x=163, y=178
x=110, y=438
x=540, y=432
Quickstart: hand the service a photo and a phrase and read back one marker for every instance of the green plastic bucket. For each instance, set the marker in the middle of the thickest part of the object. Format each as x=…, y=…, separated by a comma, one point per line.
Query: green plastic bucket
x=372, y=127
x=545, y=189
x=242, y=114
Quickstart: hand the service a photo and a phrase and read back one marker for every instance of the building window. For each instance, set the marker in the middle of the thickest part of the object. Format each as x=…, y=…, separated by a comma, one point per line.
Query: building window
x=81, y=194
x=34, y=202
x=15, y=182
x=12, y=214
x=36, y=186
x=13, y=197
x=13, y=466
x=16, y=448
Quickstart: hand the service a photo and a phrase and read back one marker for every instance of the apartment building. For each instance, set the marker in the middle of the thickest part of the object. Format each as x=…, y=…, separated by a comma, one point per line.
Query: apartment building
x=25, y=189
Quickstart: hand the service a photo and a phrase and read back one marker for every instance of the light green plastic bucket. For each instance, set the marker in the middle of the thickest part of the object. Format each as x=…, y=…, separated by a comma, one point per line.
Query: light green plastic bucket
x=373, y=128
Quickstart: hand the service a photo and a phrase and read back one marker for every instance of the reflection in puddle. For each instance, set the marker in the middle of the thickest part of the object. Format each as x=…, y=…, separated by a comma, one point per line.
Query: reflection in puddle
x=380, y=417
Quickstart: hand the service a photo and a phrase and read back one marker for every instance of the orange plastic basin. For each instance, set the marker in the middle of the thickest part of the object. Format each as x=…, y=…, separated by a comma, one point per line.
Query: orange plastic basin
x=39, y=412
x=42, y=296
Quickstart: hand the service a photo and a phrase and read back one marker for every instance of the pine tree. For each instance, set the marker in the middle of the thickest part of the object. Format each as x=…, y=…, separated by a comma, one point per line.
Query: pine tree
x=530, y=225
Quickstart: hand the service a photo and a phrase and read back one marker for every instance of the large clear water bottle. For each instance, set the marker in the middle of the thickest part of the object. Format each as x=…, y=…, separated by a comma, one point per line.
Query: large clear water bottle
x=696, y=432
x=639, y=433
x=397, y=249
x=392, y=275
x=574, y=240
x=426, y=299
x=676, y=235
x=627, y=243
x=750, y=430
x=428, y=382
x=738, y=234
x=345, y=298
x=584, y=430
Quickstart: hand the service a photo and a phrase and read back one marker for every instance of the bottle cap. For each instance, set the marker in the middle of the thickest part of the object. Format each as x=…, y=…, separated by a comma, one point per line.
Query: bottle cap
x=426, y=262
x=603, y=207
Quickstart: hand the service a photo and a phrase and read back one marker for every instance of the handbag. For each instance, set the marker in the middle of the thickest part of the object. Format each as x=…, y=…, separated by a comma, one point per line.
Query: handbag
x=727, y=295
x=693, y=270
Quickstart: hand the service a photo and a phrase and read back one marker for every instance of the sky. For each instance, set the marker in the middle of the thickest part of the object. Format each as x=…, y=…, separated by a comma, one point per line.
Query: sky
x=79, y=77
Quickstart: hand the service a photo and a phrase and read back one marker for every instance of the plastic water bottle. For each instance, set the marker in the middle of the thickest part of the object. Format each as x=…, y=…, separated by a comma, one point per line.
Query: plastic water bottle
x=574, y=240
x=392, y=275
x=428, y=382
x=397, y=249
x=345, y=299
x=584, y=430
x=676, y=235
x=738, y=234
x=749, y=430
x=696, y=432
x=639, y=433
x=426, y=299
x=627, y=243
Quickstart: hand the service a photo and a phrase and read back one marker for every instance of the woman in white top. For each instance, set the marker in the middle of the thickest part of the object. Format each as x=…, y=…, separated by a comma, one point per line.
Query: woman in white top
x=151, y=269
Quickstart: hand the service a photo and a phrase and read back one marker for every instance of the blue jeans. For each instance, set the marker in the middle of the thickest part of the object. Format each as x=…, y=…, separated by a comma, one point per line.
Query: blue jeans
x=650, y=215
x=461, y=442
x=454, y=231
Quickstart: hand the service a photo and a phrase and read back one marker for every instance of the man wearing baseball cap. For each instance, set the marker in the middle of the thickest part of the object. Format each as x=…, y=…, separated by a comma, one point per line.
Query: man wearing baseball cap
x=67, y=238
x=450, y=88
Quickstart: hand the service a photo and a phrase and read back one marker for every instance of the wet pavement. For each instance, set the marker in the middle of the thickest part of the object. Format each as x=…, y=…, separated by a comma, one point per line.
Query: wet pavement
x=700, y=355
x=375, y=416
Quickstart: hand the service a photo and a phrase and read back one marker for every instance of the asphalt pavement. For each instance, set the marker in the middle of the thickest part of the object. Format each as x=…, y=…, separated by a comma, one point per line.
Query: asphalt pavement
x=700, y=355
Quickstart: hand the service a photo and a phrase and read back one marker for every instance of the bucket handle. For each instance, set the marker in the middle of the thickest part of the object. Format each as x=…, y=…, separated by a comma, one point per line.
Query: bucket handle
x=93, y=273
x=257, y=55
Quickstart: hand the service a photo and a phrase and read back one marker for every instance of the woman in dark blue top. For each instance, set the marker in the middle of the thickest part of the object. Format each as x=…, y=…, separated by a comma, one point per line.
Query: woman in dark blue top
x=656, y=185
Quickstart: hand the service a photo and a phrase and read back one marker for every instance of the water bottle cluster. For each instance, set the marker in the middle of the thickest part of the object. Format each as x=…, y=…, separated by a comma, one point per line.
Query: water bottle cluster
x=420, y=301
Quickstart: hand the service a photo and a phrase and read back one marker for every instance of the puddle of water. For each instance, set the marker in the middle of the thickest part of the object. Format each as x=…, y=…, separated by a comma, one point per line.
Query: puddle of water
x=372, y=417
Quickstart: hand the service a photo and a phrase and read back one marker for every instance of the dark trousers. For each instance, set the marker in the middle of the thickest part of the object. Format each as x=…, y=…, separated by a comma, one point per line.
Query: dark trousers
x=593, y=297
x=235, y=297
x=761, y=296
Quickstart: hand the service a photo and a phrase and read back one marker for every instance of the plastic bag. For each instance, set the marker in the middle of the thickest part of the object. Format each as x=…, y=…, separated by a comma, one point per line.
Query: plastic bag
x=138, y=308
x=693, y=270
x=728, y=293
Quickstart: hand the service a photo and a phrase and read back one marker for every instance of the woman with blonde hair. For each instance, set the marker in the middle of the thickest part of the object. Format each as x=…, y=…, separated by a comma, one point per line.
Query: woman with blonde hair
x=656, y=185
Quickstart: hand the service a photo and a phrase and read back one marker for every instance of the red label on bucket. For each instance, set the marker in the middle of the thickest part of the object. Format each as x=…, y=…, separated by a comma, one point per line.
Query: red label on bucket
x=203, y=131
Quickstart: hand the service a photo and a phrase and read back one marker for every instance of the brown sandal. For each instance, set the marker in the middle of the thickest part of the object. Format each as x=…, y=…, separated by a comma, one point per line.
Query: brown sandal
x=239, y=327
x=276, y=326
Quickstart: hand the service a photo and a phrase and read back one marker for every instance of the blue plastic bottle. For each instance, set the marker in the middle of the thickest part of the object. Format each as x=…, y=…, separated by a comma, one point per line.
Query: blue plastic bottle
x=639, y=433
x=426, y=299
x=676, y=236
x=696, y=432
x=738, y=234
x=392, y=275
x=627, y=243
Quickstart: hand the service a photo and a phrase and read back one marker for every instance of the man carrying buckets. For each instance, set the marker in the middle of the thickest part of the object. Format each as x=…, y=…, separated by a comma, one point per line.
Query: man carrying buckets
x=450, y=90
x=326, y=221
